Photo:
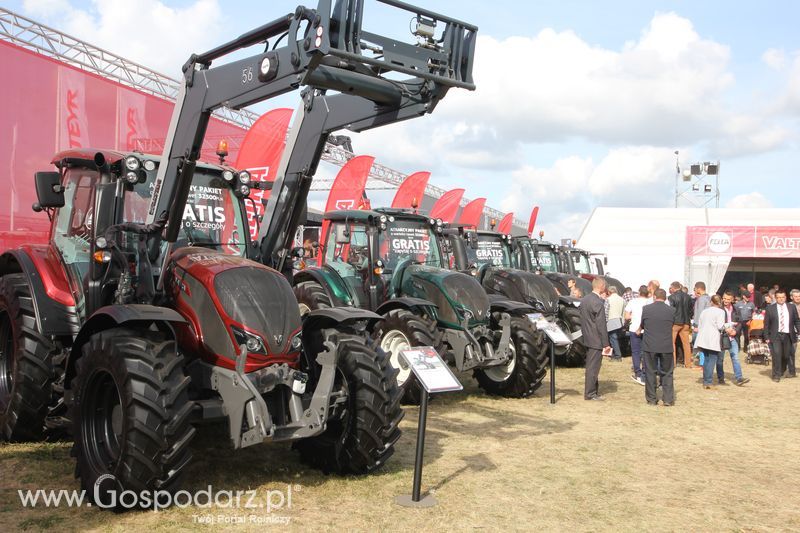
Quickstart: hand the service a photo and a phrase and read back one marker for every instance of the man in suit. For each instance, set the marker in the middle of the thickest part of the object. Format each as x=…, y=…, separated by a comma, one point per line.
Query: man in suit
x=681, y=304
x=595, y=336
x=657, y=346
x=781, y=323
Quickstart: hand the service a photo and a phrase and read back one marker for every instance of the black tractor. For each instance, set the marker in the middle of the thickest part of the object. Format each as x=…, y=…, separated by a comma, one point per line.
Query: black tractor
x=490, y=257
x=391, y=261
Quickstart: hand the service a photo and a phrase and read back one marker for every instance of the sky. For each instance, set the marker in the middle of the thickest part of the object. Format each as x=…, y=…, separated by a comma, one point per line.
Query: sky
x=579, y=104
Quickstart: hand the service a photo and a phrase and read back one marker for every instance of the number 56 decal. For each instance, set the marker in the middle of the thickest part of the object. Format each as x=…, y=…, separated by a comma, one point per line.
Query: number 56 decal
x=247, y=75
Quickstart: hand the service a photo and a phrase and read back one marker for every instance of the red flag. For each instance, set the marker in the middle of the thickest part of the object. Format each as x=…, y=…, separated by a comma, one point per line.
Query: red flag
x=260, y=154
x=412, y=188
x=532, y=222
x=471, y=214
x=347, y=191
x=505, y=224
x=446, y=207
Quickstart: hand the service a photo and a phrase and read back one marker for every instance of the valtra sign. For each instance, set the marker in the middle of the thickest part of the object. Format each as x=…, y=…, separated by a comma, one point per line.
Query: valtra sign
x=743, y=241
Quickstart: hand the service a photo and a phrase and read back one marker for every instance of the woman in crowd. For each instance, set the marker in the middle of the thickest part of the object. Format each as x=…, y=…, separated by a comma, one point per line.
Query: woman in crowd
x=709, y=328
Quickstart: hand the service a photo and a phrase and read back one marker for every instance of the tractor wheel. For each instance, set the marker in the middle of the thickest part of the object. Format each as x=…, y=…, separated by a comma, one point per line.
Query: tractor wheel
x=26, y=364
x=130, y=415
x=401, y=329
x=569, y=320
x=310, y=296
x=363, y=429
x=524, y=373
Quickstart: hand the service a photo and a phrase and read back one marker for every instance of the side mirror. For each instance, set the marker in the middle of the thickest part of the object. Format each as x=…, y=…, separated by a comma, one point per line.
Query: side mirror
x=49, y=190
x=342, y=234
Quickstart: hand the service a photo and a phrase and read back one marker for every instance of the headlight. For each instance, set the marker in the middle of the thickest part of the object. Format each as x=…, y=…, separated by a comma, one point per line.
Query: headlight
x=384, y=219
x=131, y=177
x=227, y=175
x=244, y=190
x=296, y=342
x=431, y=222
x=252, y=342
x=439, y=222
x=149, y=165
x=244, y=177
x=132, y=163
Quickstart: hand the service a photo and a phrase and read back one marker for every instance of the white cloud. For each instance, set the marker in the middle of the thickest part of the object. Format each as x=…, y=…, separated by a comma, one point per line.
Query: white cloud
x=774, y=58
x=147, y=31
x=753, y=200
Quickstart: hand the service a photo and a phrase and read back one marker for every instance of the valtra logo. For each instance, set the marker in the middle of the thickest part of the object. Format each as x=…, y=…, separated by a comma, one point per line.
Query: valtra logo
x=719, y=242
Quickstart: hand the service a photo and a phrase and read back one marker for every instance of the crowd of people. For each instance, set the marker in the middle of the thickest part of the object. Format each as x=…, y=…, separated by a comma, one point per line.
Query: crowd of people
x=696, y=329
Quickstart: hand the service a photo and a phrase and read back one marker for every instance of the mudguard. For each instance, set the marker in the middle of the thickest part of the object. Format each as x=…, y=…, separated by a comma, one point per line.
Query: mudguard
x=569, y=300
x=335, y=316
x=53, y=317
x=330, y=281
x=498, y=302
x=112, y=316
x=404, y=302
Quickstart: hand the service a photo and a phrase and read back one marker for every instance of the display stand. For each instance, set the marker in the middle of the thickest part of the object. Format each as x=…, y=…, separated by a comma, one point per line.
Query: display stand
x=434, y=376
x=556, y=336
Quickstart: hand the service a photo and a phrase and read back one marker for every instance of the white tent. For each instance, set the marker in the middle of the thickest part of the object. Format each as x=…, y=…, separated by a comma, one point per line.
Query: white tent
x=646, y=243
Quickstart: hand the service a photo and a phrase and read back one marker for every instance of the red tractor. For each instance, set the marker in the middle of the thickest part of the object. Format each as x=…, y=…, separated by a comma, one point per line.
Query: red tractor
x=144, y=316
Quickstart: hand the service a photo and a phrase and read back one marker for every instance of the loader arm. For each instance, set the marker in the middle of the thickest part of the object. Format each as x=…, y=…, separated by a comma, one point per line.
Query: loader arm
x=325, y=49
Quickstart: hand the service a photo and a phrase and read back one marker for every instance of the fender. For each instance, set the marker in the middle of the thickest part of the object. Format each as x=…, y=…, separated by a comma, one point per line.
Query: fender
x=498, y=302
x=569, y=301
x=404, y=302
x=112, y=316
x=54, y=317
x=330, y=281
x=335, y=316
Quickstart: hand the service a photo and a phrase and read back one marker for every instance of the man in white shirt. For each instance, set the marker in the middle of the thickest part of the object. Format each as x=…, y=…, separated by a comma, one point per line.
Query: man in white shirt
x=633, y=312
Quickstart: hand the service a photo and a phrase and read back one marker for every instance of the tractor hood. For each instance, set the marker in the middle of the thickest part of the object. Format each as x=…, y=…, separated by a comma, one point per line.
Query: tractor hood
x=457, y=295
x=522, y=286
x=611, y=282
x=231, y=300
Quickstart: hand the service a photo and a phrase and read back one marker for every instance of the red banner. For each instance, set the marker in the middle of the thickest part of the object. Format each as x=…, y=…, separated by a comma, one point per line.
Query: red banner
x=532, y=222
x=411, y=190
x=260, y=154
x=743, y=241
x=446, y=207
x=471, y=214
x=506, y=223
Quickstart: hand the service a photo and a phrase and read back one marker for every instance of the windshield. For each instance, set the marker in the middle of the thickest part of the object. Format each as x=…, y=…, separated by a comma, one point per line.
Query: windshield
x=491, y=249
x=580, y=261
x=212, y=216
x=546, y=259
x=408, y=238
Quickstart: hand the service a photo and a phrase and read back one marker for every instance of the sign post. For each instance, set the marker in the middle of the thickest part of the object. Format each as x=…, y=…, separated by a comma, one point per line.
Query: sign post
x=434, y=376
x=556, y=336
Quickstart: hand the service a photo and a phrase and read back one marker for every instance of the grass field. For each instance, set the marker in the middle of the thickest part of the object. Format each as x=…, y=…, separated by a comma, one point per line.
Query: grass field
x=725, y=459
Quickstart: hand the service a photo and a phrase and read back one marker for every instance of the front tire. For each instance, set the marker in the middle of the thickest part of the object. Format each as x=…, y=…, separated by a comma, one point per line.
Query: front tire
x=524, y=373
x=26, y=364
x=401, y=329
x=569, y=320
x=310, y=296
x=130, y=414
x=362, y=435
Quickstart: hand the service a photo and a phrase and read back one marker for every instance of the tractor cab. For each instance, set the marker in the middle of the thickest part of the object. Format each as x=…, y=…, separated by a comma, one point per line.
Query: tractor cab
x=94, y=192
x=533, y=254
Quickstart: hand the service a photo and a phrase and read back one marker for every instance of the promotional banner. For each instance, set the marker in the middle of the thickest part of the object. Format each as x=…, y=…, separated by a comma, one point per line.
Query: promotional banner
x=471, y=214
x=73, y=130
x=506, y=223
x=447, y=206
x=347, y=191
x=260, y=154
x=132, y=121
x=743, y=241
x=411, y=190
x=532, y=221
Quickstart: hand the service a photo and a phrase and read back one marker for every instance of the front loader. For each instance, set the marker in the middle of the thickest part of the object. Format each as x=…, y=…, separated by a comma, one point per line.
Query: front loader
x=391, y=262
x=144, y=316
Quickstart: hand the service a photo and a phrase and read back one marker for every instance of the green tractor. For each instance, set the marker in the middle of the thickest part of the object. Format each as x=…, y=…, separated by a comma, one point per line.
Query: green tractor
x=391, y=261
x=490, y=257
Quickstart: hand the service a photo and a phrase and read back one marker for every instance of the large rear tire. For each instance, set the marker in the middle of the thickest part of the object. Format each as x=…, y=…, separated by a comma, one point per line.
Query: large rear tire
x=130, y=415
x=362, y=432
x=526, y=370
x=401, y=329
x=569, y=320
x=310, y=296
x=26, y=364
